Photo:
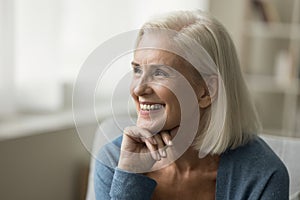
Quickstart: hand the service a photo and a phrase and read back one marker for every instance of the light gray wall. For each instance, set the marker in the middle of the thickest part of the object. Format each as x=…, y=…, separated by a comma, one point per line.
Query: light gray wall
x=43, y=167
x=232, y=14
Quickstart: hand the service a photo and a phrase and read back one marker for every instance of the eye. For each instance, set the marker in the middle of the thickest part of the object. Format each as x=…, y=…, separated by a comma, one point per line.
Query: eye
x=137, y=70
x=159, y=72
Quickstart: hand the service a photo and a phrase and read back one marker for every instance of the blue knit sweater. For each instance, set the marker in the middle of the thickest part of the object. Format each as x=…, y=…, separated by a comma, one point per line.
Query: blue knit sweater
x=251, y=172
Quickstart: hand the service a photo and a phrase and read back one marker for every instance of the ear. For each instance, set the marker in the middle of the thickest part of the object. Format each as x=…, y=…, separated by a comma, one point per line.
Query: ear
x=208, y=93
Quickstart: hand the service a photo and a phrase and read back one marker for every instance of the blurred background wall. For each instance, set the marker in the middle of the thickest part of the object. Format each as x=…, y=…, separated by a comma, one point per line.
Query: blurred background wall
x=43, y=45
x=45, y=42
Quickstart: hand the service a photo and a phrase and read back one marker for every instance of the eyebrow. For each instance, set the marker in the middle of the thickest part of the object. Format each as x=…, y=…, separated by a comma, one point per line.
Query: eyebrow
x=152, y=65
x=134, y=63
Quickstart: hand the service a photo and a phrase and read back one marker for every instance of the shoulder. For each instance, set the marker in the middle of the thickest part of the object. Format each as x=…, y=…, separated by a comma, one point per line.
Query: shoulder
x=109, y=154
x=253, y=170
x=256, y=155
x=106, y=163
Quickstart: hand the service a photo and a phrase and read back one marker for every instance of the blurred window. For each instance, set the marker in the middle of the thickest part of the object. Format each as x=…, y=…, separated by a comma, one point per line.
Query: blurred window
x=46, y=42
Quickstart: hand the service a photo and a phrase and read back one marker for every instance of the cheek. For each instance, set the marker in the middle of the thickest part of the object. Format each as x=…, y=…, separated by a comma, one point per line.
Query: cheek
x=168, y=97
x=173, y=105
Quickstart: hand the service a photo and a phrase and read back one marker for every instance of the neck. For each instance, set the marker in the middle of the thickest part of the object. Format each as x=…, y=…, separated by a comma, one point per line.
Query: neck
x=190, y=161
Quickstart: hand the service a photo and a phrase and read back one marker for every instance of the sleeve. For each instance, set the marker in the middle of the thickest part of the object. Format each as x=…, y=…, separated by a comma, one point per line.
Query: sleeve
x=115, y=184
x=103, y=176
x=277, y=187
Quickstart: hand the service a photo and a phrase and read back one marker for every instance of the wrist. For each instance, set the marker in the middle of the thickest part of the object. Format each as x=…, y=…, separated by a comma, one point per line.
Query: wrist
x=134, y=164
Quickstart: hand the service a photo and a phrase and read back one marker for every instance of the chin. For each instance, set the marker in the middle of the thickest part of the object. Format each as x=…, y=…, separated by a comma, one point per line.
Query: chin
x=154, y=126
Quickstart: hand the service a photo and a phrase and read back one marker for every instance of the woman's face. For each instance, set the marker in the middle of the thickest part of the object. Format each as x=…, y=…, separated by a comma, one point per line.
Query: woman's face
x=156, y=73
x=153, y=77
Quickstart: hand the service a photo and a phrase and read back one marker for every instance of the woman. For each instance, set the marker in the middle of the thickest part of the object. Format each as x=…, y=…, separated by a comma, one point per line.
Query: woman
x=195, y=136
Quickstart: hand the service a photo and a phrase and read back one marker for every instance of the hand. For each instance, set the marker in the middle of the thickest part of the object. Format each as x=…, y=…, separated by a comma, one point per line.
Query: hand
x=140, y=149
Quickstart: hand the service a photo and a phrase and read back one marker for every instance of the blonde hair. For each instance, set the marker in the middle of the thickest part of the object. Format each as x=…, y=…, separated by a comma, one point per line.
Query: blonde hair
x=241, y=121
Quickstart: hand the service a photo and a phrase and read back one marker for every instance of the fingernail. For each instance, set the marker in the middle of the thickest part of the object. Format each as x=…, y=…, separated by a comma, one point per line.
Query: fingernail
x=163, y=153
x=170, y=143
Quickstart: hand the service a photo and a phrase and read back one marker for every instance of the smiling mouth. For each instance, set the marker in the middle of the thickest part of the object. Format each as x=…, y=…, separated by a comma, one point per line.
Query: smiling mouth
x=148, y=107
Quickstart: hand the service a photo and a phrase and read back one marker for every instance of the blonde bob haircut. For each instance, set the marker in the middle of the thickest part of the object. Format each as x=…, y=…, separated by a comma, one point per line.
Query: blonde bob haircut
x=241, y=121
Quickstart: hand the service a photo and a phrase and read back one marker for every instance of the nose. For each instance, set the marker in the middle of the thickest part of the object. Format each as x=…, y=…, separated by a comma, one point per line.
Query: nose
x=142, y=88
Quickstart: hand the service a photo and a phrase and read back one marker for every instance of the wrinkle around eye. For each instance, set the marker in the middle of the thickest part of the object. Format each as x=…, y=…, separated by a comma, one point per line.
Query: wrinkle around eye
x=161, y=73
x=137, y=70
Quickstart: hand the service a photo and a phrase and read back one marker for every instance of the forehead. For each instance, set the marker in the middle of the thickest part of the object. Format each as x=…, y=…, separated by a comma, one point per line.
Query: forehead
x=152, y=49
x=156, y=56
x=148, y=57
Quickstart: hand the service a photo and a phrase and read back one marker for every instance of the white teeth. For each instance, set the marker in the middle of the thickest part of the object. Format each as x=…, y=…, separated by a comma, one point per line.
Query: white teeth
x=151, y=107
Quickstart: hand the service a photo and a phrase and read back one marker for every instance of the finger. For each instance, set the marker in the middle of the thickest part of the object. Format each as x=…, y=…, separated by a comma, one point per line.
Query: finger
x=147, y=135
x=166, y=138
x=160, y=145
x=154, y=153
x=140, y=133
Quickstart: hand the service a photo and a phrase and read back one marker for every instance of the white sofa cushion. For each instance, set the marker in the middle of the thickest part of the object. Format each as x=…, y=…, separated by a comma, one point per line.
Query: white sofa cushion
x=288, y=150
